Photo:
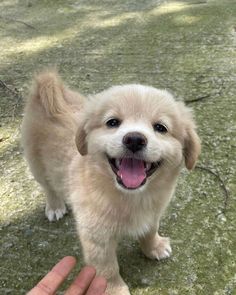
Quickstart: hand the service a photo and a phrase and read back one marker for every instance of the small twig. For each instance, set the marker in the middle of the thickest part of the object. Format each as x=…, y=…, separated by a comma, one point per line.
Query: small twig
x=15, y=93
x=197, y=99
x=198, y=2
x=4, y=86
x=222, y=185
x=218, y=93
x=18, y=21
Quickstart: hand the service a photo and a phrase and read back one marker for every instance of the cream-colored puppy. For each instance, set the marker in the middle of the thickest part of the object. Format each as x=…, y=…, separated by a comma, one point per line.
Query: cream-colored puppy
x=132, y=142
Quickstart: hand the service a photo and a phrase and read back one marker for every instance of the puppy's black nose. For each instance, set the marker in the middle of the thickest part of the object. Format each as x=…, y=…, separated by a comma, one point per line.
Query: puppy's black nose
x=134, y=141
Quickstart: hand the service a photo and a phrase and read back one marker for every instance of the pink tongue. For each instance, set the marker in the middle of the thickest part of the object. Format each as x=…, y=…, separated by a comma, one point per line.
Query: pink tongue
x=132, y=172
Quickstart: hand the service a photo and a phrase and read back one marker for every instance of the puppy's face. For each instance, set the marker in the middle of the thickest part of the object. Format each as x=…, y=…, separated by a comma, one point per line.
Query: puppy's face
x=137, y=133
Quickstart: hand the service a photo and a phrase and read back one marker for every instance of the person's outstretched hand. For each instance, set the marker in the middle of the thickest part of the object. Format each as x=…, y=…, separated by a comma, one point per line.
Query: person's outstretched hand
x=86, y=283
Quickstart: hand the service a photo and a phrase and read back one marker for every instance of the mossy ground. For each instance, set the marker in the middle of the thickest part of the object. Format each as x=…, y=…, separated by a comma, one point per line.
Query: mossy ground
x=187, y=47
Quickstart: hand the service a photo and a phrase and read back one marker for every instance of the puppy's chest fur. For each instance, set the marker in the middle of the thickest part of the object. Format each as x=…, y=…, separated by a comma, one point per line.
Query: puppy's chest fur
x=115, y=215
x=115, y=220
x=99, y=206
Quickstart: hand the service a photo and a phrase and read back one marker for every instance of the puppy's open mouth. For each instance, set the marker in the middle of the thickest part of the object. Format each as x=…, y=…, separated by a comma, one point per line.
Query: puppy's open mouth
x=132, y=173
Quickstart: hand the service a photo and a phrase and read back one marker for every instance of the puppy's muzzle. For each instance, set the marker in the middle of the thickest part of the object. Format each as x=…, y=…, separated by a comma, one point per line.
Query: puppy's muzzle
x=134, y=141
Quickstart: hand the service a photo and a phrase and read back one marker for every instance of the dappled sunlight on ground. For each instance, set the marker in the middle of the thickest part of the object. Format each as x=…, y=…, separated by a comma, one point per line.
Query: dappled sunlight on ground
x=6, y=3
x=187, y=20
x=170, y=7
x=41, y=43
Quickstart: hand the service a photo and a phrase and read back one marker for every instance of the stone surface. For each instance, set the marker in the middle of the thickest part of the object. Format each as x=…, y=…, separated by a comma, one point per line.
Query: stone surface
x=187, y=47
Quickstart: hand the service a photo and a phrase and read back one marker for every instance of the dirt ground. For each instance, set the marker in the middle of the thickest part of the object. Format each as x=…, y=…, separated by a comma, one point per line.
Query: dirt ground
x=187, y=47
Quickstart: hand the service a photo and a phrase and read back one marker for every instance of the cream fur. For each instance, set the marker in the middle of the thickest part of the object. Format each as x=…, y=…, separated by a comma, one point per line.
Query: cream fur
x=57, y=119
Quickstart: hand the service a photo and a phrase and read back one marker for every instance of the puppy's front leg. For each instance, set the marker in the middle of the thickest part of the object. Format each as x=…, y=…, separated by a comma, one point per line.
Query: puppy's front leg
x=101, y=253
x=154, y=246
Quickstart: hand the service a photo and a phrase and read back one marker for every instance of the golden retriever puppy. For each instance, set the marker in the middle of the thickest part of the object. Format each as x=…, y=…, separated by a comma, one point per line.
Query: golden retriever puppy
x=132, y=142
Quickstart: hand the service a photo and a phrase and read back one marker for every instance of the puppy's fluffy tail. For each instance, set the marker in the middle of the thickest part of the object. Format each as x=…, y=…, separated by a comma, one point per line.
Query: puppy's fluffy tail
x=49, y=91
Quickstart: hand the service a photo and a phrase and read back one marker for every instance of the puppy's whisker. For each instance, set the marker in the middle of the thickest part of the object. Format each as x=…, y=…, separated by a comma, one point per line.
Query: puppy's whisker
x=170, y=161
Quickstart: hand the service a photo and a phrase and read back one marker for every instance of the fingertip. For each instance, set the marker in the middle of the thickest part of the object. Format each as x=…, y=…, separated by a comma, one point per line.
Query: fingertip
x=70, y=259
x=64, y=266
x=83, y=280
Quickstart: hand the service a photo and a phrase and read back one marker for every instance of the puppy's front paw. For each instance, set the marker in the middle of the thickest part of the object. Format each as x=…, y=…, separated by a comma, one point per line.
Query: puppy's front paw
x=55, y=214
x=158, y=248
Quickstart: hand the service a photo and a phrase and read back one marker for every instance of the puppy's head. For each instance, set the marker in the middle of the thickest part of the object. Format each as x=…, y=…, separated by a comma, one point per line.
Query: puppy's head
x=137, y=133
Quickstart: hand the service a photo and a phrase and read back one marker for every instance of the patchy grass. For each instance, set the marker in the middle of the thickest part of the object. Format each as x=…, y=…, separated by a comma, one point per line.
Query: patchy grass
x=187, y=47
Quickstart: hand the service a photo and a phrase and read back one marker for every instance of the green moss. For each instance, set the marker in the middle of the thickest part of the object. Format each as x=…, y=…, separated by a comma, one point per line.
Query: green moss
x=184, y=46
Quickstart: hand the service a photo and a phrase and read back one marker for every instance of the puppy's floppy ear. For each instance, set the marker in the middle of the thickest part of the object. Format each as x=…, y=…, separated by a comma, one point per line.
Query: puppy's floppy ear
x=192, y=143
x=80, y=140
x=192, y=147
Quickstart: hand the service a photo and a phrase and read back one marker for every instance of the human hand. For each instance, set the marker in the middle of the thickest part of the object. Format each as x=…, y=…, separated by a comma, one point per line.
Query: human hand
x=86, y=283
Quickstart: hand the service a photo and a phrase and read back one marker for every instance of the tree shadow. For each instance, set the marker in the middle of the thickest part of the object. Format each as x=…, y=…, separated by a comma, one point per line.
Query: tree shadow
x=38, y=244
x=95, y=46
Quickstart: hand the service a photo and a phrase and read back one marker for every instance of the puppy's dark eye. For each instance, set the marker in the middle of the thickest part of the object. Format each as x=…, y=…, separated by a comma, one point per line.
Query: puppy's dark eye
x=113, y=123
x=160, y=128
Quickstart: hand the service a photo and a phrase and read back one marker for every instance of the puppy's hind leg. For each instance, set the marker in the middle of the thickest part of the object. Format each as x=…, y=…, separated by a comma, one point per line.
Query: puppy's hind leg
x=55, y=206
